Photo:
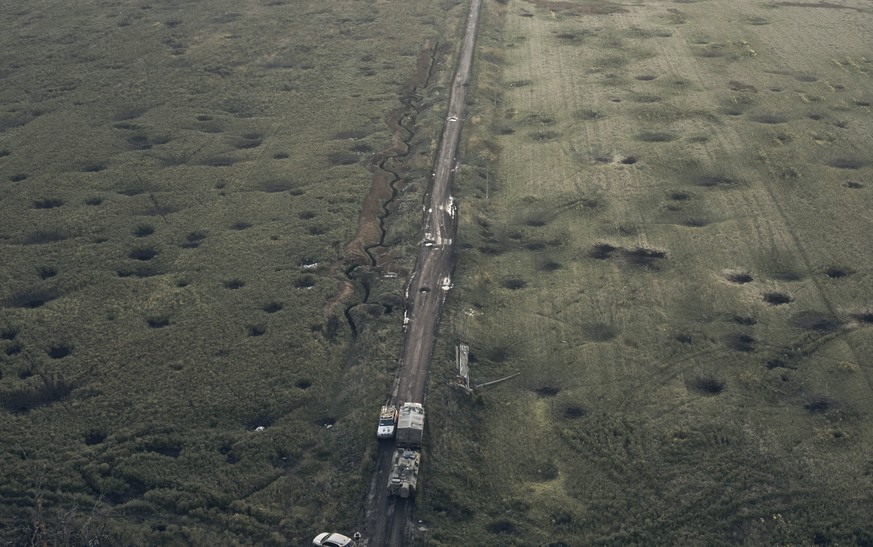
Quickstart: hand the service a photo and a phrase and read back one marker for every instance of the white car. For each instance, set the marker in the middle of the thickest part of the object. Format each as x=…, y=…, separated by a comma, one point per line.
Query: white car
x=327, y=539
x=453, y=118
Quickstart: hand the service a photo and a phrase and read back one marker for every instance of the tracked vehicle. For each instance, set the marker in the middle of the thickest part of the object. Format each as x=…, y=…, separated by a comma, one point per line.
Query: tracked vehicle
x=404, y=473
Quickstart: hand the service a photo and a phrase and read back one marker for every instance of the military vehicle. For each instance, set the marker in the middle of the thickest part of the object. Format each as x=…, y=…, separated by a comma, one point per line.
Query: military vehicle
x=404, y=473
x=387, y=422
x=410, y=425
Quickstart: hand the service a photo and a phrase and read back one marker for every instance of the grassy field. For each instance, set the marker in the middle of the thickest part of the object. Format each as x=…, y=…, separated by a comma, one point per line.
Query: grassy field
x=179, y=181
x=664, y=222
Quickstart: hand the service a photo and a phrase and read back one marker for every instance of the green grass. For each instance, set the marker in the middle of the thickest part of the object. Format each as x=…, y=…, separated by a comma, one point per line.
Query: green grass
x=672, y=280
x=178, y=185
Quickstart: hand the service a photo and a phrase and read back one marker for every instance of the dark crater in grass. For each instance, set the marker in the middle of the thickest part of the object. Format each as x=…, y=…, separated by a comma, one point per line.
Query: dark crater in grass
x=680, y=196
x=46, y=272
x=342, y=158
x=31, y=298
x=8, y=333
x=818, y=322
x=497, y=354
x=863, y=317
x=543, y=136
x=656, y=136
x=281, y=156
x=165, y=447
x=13, y=349
x=51, y=390
x=143, y=253
x=695, y=222
x=629, y=160
x=776, y=298
x=739, y=341
x=807, y=78
x=769, y=119
x=304, y=282
x=684, y=338
x=234, y=284
x=602, y=251
x=745, y=321
x=139, y=142
x=645, y=77
x=713, y=181
x=18, y=177
x=193, y=239
x=644, y=256
x=260, y=420
x=535, y=246
x=587, y=114
x=706, y=385
x=574, y=412
x=249, y=140
x=4, y=152
x=303, y=384
x=92, y=168
x=95, y=200
x=240, y=225
x=47, y=203
x=158, y=322
x=547, y=391
x=599, y=332
x=818, y=405
x=740, y=278
x=513, y=283
x=837, y=272
x=502, y=526
x=95, y=436
x=847, y=163
x=853, y=184
x=256, y=330
x=59, y=351
x=143, y=230
x=306, y=215
x=272, y=307
x=550, y=266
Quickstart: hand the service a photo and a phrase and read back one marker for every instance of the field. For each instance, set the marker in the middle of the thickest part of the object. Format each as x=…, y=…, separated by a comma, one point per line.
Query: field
x=193, y=339
x=665, y=228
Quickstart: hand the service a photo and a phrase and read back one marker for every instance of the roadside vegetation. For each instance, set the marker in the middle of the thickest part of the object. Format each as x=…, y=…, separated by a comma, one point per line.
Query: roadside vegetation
x=183, y=357
x=664, y=211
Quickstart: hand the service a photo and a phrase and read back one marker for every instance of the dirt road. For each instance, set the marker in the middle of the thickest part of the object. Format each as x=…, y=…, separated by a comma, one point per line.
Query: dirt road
x=426, y=294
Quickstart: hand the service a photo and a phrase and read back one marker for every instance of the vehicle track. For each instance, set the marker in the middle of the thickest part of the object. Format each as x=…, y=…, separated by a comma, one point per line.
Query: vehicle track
x=388, y=519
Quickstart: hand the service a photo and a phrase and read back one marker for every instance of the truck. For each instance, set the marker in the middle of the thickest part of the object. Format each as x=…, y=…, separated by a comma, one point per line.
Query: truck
x=404, y=473
x=410, y=425
x=387, y=422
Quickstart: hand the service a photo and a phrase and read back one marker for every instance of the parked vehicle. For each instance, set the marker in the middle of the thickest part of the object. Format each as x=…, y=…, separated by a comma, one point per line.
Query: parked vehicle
x=328, y=539
x=410, y=425
x=387, y=422
x=404, y=473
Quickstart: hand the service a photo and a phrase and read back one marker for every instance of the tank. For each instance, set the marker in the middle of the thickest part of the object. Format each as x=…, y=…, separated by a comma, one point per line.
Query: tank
x=387, y=422
x=410, y=425
x=404, y=473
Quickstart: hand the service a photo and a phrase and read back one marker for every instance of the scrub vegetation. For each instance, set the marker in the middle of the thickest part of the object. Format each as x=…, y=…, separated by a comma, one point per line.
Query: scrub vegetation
x=664, y=224
x=188, y=354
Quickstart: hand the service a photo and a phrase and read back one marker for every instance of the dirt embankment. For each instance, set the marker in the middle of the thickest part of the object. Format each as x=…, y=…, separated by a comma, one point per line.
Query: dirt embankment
x=368, y=248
